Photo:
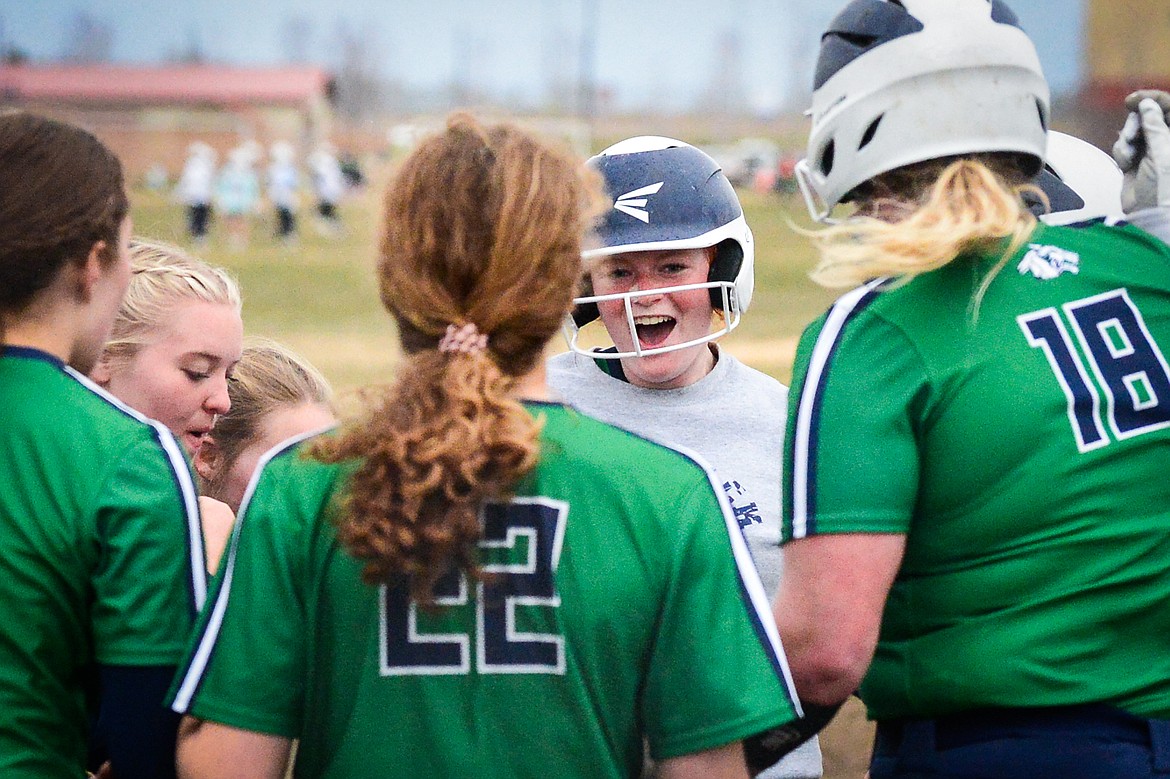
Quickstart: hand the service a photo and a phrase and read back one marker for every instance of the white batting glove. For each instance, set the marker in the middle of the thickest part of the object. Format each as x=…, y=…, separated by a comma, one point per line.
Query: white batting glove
x=1142, y=151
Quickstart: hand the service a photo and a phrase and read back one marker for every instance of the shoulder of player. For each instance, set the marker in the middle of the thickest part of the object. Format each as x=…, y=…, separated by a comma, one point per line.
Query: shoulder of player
x=565, y=370
x=291, y=489
x=871, y=332
x=93, y=423
x=590, y=445
x=878, y=303
x=290, y=474
x=296, y=455
x=561, y=360
x=740, y=373
x=1106, y=236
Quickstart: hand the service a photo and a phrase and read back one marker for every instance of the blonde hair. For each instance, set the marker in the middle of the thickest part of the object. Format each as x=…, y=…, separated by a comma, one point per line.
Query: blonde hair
x=162, y=276
x=949, y=208
x=483, y=225
x=268, y=377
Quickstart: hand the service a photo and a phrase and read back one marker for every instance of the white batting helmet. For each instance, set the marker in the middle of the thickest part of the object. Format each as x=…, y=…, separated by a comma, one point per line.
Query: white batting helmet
x=904, y=81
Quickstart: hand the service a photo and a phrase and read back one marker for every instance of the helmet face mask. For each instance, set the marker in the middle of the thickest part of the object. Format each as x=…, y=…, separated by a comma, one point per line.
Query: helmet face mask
x=903, y=82
x=669, y=195
x=730, y=314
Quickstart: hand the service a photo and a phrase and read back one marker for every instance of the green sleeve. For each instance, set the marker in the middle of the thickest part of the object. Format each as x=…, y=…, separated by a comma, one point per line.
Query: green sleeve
x=851, y=459
x=145, y=585
x=713, y=676
x=247, y=666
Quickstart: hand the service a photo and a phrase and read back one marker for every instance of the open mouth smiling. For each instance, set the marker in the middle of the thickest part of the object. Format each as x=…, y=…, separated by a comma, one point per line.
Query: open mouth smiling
x=653, y=330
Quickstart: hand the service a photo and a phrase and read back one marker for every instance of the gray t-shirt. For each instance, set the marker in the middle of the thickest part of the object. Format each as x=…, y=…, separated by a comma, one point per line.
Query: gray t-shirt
x=733, y=417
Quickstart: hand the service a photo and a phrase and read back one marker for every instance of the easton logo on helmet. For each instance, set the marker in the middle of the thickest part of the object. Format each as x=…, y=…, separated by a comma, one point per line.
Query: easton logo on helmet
x=634, y=204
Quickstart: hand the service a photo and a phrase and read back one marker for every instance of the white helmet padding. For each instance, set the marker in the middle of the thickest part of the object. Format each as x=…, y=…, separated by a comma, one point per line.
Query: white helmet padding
x=905, y=81
x=670, y=195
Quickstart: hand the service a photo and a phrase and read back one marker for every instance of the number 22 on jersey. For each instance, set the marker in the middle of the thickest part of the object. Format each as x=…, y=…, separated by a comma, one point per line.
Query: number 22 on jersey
x=520, y=549
x=1116, y=353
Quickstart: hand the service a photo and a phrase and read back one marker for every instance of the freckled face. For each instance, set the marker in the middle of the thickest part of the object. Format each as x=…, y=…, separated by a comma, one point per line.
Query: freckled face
x=659, y=319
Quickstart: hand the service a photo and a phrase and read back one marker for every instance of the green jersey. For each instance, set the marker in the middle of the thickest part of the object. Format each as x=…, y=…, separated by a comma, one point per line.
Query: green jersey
x=621, y=604
x=1022, y=447
x=102, y=551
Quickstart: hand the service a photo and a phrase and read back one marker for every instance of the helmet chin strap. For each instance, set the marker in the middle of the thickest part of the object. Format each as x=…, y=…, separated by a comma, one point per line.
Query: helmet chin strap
x=818, y=209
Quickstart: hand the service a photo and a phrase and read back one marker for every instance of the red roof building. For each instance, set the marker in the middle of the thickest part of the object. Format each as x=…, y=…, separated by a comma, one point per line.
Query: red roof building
x=150, y=114
x=203, y=85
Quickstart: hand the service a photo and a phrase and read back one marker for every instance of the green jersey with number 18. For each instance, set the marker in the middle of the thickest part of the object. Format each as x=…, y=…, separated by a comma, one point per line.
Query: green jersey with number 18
x=1023, y=447
x=619, y=603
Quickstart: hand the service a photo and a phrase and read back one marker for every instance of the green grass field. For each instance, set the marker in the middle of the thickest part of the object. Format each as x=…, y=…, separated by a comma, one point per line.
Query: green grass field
x=320, y=298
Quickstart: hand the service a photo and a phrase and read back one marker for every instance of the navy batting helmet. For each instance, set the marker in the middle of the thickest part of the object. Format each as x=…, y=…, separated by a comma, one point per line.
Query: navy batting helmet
x=669, y=195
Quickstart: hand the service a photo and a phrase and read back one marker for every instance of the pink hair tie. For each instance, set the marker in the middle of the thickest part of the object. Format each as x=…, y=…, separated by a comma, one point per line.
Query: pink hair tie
x=465, y=340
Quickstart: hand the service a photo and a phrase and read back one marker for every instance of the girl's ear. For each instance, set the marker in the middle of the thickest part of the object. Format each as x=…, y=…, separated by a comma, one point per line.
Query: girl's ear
x=100, y=373
x=208, y=459
x=91, y=271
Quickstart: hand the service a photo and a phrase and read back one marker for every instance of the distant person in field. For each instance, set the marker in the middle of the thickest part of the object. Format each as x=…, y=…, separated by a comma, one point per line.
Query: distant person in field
x=351, y=170
x=102, y=578
x=196, y=188
x=284, y=184
x=237, y=195
x=328, y=187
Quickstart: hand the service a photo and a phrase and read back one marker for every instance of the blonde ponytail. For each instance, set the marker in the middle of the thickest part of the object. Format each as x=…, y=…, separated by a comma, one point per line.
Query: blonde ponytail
x=970, y=207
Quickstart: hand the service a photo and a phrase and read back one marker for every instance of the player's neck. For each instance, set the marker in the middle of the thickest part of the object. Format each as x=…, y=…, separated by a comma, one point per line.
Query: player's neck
x=38, y=329
x=532, y=385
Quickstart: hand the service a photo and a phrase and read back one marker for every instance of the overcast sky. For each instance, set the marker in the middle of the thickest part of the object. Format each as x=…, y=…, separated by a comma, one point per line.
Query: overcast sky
x=662, y=53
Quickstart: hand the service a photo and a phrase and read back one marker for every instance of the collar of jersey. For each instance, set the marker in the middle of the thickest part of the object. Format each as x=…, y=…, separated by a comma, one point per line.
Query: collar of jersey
x=549, y=403
x=29, y=353
x=612, y=367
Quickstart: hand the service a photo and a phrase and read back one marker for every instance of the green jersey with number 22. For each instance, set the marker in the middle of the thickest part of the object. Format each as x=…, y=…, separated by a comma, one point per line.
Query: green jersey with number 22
x=619, y=604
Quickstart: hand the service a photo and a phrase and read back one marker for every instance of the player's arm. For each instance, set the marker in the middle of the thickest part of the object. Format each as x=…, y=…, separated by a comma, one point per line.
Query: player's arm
x=725, y=762
x=217, y=520
x=829, y=629
x=850, y=486
x=145, y=590
x=209, y=750
x=829, y=609
x=134, y=731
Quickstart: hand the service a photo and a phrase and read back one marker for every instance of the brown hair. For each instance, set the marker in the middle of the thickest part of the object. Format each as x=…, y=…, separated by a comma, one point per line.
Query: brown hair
x=268, y=377
x=946, y=208
x=482, y=225
x=61, y=192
